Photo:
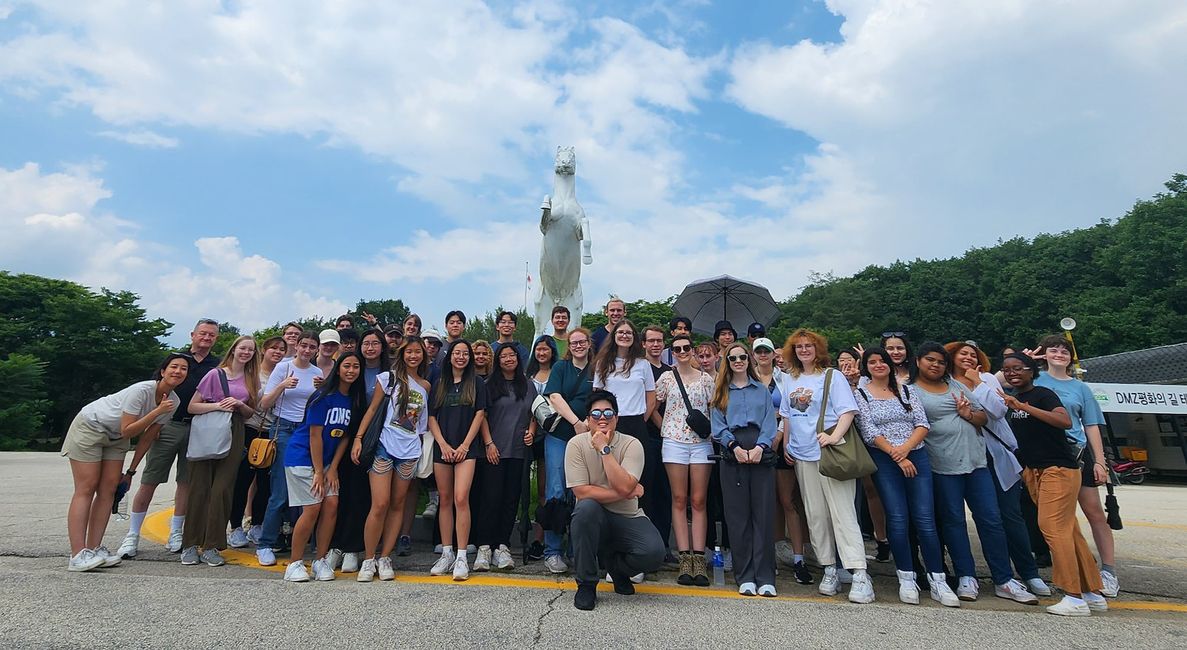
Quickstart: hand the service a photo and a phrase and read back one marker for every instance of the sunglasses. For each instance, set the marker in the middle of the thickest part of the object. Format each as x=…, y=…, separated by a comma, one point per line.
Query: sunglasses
x=680, y=349
x=738, y=357
x=897, y=335
x=602, y=414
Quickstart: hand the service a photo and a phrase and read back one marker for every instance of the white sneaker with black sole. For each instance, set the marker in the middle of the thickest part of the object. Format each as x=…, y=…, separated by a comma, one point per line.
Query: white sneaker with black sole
x=129, y=547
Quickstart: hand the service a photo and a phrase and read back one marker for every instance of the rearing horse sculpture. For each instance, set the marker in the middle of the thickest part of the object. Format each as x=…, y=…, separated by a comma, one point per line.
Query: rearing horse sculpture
x=566, y=241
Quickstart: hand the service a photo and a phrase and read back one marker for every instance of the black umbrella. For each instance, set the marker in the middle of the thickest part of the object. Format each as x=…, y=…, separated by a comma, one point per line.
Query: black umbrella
x=1112, y=510
x=705, y=302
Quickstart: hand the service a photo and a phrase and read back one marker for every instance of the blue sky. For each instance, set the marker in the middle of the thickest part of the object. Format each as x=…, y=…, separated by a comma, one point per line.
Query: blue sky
x=259, y=161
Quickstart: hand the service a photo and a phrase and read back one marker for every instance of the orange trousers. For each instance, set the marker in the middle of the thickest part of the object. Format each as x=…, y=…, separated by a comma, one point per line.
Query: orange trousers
x=1055, y=490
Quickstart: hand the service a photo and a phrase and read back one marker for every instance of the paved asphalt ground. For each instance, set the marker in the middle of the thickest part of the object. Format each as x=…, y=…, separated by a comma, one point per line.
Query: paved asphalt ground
x=154, y=601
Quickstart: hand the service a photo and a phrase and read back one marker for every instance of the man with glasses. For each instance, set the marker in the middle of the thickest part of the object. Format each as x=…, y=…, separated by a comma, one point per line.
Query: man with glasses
x=505, y=325
x=602, y=467
x=658, y=501
x=171, y=444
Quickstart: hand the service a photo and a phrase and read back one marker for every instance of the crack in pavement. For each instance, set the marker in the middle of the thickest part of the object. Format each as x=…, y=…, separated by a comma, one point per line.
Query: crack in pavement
x=540, y=620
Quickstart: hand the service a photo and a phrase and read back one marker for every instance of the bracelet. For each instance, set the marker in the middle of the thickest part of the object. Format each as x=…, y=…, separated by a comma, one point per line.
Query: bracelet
x=490, y=444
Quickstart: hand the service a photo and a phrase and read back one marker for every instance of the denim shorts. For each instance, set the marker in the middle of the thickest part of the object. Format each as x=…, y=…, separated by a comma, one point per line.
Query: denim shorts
x=384, y=462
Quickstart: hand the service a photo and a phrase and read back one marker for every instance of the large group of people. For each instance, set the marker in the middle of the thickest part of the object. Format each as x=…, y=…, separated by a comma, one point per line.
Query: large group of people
x=649, y=449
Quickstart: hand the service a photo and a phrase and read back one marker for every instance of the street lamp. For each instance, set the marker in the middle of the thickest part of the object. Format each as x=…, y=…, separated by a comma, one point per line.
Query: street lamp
x=1068, y=324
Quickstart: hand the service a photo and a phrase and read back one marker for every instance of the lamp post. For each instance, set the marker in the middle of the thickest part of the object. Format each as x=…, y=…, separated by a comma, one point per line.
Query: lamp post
x=1068, y=324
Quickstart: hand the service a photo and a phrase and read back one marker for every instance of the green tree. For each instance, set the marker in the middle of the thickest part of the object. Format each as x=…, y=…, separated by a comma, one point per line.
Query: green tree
x=93, y=343
x=227, y=333
x=483, y=327
x=386, y=311
x=22, y=401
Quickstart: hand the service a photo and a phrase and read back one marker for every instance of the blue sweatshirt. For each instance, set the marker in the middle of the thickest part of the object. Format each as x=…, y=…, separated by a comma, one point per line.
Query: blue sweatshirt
x=749, y=405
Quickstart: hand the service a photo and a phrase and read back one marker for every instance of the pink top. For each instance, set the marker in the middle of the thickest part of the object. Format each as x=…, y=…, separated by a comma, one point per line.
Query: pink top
x=211, y=390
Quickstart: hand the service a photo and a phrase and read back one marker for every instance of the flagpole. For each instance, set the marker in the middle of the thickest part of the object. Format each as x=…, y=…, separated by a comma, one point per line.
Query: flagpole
x=525, y=287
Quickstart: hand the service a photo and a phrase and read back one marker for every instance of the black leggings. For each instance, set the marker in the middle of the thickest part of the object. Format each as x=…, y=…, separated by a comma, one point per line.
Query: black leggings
x=494, y=500
x=354, y=502
x=657, y=492
x=243, y=479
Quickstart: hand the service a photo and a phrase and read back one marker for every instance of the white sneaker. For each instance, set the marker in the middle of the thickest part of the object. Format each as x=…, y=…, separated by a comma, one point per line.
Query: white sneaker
x=784, y=554
x=967, y=589
x=767, y=591
x=386, y=572
x=1109, y=585
x=748, y=589
x=555, y=564
x=129, y=547
x=1037, y=587
x=296, y=572
x=828, y=582
x=908, y=591
x=109, y=560
x=350, y=562
x=940, y=591
x=334, y=557
x=482, y=561
x=460, y=570
x=1095, y=602
x=174, y=543
x=253, y=534
x=1068, y=607
x=431, y=507
x=84, y=560
x=1015, y=591
x=503, y=559
x=638, y=578
x=844, y=576
x=443, y=564
x=322, y=571
x=366, y=570
x=266, y=556
x=862, y=591
x=237, y=538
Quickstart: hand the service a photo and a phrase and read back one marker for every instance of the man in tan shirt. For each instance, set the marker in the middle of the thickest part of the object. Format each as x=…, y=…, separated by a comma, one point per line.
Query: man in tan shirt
x=602, y=467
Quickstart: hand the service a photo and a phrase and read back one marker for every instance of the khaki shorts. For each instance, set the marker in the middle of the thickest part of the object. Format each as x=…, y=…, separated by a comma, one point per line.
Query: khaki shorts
x=170, y=444
x=300, y=486
x=87, y=442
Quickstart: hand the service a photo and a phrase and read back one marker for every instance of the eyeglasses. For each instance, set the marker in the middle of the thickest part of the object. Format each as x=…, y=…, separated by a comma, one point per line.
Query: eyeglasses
x=578, y=344
x=737, y=357
x=897, y=335
x=654, y=341
x=624, y=333
x=680, y=349
x=602, y=414
x=372, y=344
x=1015, y=371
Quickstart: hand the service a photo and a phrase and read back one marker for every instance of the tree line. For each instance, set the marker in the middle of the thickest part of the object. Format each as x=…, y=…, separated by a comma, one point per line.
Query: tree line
x=1123, y=281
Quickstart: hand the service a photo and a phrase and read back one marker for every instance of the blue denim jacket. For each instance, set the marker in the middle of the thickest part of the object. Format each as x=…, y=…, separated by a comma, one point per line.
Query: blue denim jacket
x=748, y=405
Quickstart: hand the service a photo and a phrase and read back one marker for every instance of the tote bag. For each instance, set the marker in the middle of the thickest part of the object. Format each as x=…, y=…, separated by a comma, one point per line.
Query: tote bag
x=210, y=433
x=848, y=459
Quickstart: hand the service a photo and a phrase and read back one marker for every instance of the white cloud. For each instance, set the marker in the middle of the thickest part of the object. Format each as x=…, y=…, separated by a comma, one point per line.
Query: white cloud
x=54, y=226
x=142, y=138
x=973, y=121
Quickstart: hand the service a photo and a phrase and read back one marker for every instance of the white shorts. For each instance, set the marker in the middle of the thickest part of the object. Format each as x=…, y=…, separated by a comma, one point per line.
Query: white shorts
x=300, y=485
x=687, y=453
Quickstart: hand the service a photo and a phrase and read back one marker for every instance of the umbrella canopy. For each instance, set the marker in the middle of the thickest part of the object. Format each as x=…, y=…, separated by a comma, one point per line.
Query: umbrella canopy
x=705, y=302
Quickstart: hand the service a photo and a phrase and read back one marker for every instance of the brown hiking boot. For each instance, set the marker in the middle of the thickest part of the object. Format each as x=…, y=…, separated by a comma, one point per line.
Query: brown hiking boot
x=700, y=572
x=686, y=563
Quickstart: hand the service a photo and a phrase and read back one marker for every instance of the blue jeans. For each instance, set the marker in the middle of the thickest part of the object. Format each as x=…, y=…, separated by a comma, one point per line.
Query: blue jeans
x=278, y=500
x=976, y=489
x=554, y=486
x=907, y=502
x=1009, y=503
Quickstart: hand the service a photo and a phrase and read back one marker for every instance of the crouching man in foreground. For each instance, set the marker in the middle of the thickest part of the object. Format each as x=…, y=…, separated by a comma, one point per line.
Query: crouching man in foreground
x=602, y=467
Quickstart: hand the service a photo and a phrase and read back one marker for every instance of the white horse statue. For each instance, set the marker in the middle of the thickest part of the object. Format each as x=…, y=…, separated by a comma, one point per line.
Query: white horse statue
x=566, y=238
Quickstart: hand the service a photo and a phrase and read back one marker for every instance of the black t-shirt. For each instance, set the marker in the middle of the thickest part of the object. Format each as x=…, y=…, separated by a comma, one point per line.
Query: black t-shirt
x=659, y=407
x=185, y=392
x=598, y=338
x=454, y=417
x=1041, y=445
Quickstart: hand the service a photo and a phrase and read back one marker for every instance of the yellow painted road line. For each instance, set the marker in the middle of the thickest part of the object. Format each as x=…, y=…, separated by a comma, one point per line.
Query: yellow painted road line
x=156, y=528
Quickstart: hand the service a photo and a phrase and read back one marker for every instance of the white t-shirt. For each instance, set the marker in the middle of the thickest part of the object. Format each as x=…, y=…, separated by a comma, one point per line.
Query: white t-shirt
x=631, y=390
x=139, y=400
x=401, y=435
x=800, y=408
x=291, y=404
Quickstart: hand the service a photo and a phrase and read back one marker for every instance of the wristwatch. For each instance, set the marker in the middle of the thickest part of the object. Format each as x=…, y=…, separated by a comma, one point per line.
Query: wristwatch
x=605, y=450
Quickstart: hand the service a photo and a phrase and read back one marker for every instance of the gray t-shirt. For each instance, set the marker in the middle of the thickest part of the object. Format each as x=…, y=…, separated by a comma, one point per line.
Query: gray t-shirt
x=953, y=444
x=137, y=400
x=508, y=418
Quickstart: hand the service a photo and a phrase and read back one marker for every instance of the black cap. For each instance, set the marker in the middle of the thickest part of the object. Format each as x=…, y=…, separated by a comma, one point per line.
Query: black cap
x=394, y=327
x=756, y=330
x=723, y=325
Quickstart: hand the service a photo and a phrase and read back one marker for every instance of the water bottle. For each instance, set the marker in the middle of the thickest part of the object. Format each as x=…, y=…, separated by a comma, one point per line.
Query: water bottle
x=718, y=567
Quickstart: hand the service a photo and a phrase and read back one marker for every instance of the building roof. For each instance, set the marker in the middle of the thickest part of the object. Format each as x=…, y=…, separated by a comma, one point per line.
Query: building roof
x=1166, y=364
